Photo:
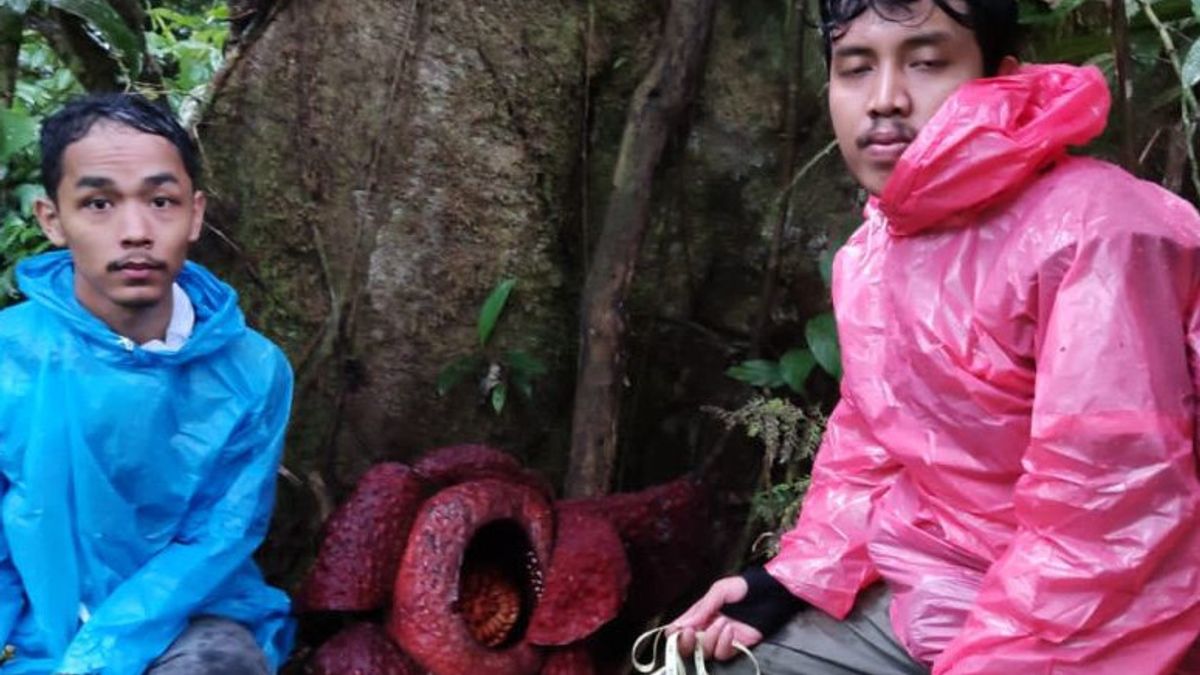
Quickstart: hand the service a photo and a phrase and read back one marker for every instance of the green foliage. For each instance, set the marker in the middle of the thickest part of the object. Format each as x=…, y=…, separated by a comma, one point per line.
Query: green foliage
x=497, y=373
x=776, y=508
x=187, y=48
x=492, y=308
x=794, y=367
x=43, y=85
x=821, y=333
x=790, y=436
x=110, y=28
x=1165, y=52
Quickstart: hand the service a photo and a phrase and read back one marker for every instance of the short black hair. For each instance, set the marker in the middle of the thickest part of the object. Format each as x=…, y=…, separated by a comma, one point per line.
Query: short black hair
x=78, y=116
x=994, y=23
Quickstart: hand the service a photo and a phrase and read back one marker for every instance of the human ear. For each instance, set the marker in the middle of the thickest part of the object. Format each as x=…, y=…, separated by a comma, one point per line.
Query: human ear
x=199, y=201
x=47, y=216
x=1008, y=65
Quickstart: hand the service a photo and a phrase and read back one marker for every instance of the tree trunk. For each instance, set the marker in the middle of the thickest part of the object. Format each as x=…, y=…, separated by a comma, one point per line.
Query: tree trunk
x=11, y=25
x=377, y=167
x=68, y=35
x=657, y=109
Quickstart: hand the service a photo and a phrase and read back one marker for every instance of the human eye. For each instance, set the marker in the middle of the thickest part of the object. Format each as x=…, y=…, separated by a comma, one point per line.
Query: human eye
x=96, y=203
x=928, y=60
x=853, y=68
x=163, y=202
x=929, y=64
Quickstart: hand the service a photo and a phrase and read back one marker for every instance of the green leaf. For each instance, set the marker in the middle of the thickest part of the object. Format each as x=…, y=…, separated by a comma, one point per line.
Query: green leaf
x=821, y=332
x=27, y=194
x=1033, y=14
x=492, y=308
x=456, y=371
x=825, y=264
x=519, y=361
x=1195, y=9
x=837, y=239
x=18, y=6
x=110, y=28
x=795, y=367
x=523, y=383
x=17, y=131
x=1191, y=65
x=757, y=373
x=499, y=397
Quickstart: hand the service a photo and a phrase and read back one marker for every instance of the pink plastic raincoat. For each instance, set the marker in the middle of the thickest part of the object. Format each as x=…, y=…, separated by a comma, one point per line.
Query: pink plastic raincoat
x=1013, y=453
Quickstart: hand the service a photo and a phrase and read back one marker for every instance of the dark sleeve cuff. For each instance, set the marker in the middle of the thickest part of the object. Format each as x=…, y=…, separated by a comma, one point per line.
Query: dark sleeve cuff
x=768, y=604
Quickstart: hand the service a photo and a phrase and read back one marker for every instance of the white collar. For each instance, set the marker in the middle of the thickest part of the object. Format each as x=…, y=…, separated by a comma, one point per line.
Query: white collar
x=183, y=320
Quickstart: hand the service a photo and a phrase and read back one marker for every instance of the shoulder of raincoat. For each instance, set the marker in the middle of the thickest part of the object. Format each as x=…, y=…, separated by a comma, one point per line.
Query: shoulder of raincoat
x=1014, y=450
x=134, y=486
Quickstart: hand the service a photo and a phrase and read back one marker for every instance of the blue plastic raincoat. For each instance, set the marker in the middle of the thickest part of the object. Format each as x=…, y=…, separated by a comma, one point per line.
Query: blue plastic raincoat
x=134, y=486
x=1015, y=449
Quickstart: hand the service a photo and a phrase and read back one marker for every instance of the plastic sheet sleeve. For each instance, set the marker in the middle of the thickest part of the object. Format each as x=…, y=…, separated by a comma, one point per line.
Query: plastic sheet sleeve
x=1097, y=576
x=823, y=559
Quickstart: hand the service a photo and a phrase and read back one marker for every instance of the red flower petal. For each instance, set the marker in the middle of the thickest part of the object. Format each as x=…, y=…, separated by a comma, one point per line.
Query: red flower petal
x=586, y=584
x=427, y=619
x=666, y=534
x=573, y=660
x=362, y=649
x=363, y=542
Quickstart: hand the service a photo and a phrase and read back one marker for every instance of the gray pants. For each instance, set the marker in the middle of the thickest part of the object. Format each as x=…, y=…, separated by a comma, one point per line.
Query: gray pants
x=212, y=646
x=814, y=643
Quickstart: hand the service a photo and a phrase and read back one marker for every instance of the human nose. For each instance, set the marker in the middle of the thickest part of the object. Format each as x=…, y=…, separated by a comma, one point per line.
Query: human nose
x=136, y=228
x=889, y=96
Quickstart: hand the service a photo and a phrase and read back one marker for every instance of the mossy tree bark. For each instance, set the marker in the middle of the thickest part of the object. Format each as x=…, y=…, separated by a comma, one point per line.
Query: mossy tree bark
x=377, y=167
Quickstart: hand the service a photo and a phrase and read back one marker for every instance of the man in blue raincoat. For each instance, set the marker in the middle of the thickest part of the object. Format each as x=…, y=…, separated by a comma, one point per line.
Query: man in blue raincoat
x=141, y=422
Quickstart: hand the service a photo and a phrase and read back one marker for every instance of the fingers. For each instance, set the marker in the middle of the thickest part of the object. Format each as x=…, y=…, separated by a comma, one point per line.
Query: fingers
x=724, y=591
x=703, y=626
x=725, y=632
x=724, y=649
x=708, y=639
x=687, y=641
x=702, y=611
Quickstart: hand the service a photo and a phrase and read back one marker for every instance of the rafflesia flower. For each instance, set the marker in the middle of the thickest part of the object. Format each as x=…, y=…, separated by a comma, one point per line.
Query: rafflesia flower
x=477, y=570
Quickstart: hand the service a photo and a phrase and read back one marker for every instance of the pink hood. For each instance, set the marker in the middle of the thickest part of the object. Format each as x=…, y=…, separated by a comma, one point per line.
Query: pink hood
x=1014, y=449
x=989, y=139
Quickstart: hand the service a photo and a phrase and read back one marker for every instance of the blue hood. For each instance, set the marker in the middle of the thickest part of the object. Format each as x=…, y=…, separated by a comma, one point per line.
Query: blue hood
x=49, y=281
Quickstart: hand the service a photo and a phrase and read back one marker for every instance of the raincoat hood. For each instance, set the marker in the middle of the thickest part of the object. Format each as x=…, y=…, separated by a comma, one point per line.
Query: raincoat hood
x=49, y=281
x=988, y=140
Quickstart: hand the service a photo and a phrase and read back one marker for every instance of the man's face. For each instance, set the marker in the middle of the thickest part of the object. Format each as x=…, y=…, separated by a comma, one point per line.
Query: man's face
x=127, y=210
x=886, y=80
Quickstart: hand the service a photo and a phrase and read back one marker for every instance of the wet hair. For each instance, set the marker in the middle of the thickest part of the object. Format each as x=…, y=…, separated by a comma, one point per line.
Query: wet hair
x=994, y=22
x=77, y=118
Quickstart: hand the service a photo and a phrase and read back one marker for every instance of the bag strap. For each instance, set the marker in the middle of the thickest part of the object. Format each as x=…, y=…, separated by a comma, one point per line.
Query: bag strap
x=673, y=661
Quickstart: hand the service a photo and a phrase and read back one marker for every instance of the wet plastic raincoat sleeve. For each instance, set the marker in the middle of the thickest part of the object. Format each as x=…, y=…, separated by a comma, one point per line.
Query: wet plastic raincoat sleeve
x=228, y=522
x=823, y=559
x=1095, y=580
x=12, y=597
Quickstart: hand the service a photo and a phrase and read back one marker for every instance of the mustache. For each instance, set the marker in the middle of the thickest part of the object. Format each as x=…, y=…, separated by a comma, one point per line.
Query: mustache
x=139, y=259
x=895, y=132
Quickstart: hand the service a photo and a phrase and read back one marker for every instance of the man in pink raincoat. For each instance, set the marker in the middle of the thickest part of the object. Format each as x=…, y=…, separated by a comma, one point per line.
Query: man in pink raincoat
x=1009, y=484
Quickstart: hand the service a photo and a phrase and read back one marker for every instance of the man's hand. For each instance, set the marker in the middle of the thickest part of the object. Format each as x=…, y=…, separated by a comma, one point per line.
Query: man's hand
x=719, y=631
